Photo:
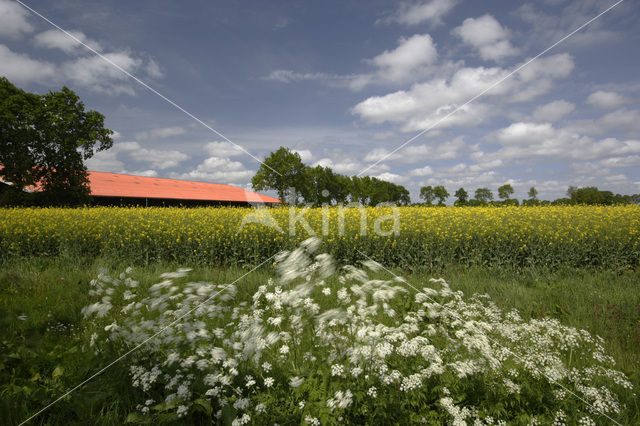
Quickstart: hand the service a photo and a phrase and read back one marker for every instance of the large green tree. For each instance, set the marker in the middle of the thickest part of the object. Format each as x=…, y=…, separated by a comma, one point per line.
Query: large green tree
x=44, y=141
x=462, y=197
x=484, y=195
x=426, y=193
x=281, y=170
x=441, y=193
x=505, y=191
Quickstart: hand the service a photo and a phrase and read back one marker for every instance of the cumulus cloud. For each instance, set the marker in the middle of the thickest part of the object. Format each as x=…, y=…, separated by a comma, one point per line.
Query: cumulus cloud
x=305, y=155
x=430, y=12
x=426, y=104
x=22, y=69
x=13, y=20
x=606, y=100
x=524, y=140
x=413, y=58
x=88, y=71
x=487, y=37
x=417, y=153
x=161, y=132
x=553, y=111
x=223, y=149
x=423, y=171
x=56, y=39
x=392, y=177
x=411, y=54
x=113, y=160
x=219, y=170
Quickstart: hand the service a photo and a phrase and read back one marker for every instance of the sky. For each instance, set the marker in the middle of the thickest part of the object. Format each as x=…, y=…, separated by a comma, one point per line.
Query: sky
x=346, y=83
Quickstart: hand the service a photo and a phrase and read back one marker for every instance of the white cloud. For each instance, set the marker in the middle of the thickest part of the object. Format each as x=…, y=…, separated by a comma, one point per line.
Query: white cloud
x=13, y=19
x=288, y=76
x=392, y=177
x=431, y=11
x=406, y=59
x=347, y=167
x=161, y=132
x=106, y=161
x=553, y=111
x=158, y=159
x=56, y=39
x=423, y=171
x=522, y=141
x=222, y=149
x=606, y=100
x=425, y=104
x=621, y=121
x=487, y=36
x=416, y=153
x=219, y=170
x=90, y=71
x=305, y=154
x=20, y=69
x=112, y=159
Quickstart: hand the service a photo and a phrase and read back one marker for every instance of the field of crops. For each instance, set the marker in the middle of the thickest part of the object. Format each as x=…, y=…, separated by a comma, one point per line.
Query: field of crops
x=519, y=236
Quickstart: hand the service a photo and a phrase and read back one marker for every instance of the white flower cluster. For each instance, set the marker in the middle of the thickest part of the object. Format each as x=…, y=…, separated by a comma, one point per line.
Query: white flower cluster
x=364, y=337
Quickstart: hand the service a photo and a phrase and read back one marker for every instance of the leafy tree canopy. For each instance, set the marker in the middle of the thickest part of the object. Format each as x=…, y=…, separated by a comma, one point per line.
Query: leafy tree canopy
x=44, y=141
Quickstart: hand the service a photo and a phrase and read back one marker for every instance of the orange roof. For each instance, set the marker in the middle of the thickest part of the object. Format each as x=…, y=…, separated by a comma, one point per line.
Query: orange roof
x=118, y=185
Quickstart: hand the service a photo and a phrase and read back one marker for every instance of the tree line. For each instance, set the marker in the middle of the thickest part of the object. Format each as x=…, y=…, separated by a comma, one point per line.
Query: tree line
x=283, y=169
x=484, y=197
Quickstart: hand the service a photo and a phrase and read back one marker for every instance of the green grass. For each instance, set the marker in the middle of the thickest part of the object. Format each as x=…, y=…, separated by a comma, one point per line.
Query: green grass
x=51, y=338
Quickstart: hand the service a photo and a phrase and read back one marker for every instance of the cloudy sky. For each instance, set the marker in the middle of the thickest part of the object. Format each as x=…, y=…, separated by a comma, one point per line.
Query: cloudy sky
x=347, y=82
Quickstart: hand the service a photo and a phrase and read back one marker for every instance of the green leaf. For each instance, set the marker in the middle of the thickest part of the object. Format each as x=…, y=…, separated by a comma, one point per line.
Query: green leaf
x=58, y=371
x=205, y=405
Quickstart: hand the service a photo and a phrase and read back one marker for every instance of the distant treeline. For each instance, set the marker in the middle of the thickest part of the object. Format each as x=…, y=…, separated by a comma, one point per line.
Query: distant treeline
x=484, y=197
x=283, y=169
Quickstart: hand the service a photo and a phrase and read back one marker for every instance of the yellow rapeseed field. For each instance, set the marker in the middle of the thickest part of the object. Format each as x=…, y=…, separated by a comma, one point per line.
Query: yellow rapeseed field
x=520, y=236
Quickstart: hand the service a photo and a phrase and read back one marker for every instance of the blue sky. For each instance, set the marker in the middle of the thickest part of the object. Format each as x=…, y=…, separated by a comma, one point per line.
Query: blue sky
x=346, y=82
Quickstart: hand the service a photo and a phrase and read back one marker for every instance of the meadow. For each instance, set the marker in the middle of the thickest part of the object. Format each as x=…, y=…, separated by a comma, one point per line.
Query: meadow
x=308, y=339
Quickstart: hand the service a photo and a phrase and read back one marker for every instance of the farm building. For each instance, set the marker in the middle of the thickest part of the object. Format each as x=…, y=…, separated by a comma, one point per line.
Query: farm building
x=118, y=189
x=114, y=189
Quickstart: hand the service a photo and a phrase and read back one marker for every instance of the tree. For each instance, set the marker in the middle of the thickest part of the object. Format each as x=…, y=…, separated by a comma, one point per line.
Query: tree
x=505, y=191
x=533, y=193
x=281, y=170
x=441, y=193
x=571, y=191
x=484, y=195
x=462, y=197
x=44, y=141
x=427, y=194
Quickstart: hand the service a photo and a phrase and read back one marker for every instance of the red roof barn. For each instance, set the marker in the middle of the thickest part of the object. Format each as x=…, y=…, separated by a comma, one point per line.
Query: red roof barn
x=119, y=189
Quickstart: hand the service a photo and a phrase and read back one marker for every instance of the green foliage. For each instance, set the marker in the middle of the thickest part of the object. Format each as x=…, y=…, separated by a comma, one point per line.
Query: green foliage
x=441, y=193
x=533, y=193
x=281, y=170
x=427, y=194
x=462, y=197
x=505, y=191
x=44, y=141
x=284, y=169
x=484, y=195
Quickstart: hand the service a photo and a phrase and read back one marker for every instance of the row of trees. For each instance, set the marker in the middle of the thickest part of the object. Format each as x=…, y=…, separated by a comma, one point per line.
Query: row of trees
x=44, y=140
x=284, y=169
x=484, y=196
